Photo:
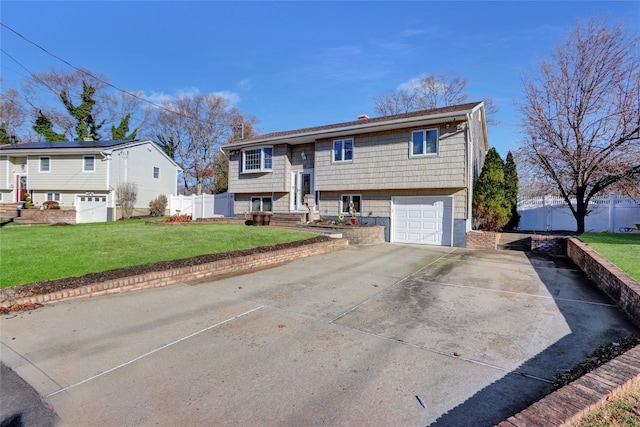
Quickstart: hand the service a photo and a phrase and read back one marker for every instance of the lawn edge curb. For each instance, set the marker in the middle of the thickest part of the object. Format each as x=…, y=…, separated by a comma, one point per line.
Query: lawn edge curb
x=172, y=276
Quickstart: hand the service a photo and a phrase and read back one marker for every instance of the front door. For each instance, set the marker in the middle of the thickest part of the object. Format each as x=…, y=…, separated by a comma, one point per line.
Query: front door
x=21, y=187
x=302, y=184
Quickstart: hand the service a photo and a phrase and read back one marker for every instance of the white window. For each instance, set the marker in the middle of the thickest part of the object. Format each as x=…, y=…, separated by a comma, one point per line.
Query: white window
x=264, y=204
x=343, y=150
x=257, y=159
x=156, y=172
x=45, y=164
x=350, y=204
x=53, y=196
x=89, y=164
x=424, y=142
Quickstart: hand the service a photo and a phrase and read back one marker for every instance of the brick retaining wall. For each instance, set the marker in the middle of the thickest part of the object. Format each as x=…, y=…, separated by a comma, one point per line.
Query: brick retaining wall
x=158, y=279
x=482, y=240
x=589, y=391
x=48, y=216
x=620, y=287
x=549, y=244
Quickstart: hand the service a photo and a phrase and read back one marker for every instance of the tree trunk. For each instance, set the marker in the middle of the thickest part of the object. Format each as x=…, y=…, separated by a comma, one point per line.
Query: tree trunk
x=580, y=214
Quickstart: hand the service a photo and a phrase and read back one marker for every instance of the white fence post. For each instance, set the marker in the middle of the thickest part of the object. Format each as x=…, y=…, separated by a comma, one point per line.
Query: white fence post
x=202, y=206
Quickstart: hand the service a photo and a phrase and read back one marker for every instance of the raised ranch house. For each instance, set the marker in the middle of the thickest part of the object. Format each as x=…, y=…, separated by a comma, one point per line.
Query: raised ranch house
x=83, y=175
x=412, y=173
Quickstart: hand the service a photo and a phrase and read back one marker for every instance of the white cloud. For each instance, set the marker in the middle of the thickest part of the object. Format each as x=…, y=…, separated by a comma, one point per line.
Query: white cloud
x=161, y=97
x=245, y=84
x=232, y=97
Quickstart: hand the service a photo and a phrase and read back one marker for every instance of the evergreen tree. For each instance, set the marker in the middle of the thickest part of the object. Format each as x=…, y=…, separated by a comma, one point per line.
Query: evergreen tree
x=511, y=191
x=220, y=173
x=44, y=127
x=168, y=145
x=5, y=138
x=86, y=128
x=490, y=207
x=120, y=133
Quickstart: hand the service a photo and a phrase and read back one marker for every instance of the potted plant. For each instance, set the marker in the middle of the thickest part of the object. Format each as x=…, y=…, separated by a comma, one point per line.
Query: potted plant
x=353, y=212
x=258, y=218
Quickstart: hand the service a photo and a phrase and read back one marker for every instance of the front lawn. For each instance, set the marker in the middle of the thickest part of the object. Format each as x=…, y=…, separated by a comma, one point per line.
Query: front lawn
x=622, y=249
x=37, y=253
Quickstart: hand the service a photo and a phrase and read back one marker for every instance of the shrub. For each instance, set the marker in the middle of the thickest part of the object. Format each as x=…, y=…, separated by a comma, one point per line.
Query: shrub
x=51, y=204
x=180, y=218
x=126, y=196
x=158, y=206
x=491, y=210
x=27, y=202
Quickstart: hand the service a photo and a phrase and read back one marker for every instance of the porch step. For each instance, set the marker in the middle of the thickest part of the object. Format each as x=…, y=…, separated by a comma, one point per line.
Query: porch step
x=287, y=219
x=8, y=210
x=28, y=221
x=514, y=242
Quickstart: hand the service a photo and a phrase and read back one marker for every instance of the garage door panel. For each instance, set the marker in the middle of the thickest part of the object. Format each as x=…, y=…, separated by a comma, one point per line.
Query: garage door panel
x=423, y=220
x=91, y=209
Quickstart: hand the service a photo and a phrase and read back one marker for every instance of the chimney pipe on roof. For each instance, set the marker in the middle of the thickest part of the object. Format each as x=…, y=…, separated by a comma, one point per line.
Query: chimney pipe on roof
x=363, y=117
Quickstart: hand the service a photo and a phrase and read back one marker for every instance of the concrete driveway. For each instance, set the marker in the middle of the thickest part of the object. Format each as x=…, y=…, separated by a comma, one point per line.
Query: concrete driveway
x=364, y=336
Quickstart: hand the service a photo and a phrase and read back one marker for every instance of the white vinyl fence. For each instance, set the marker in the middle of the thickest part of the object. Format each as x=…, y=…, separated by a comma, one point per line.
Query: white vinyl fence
x=203, y=206
x=611, y=214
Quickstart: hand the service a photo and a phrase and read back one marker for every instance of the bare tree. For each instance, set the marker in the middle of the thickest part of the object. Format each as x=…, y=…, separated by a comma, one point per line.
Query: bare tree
x=428, y=92
x=12, y=113
x=194, y=127
x=119, y=111
x=242, y=127
x=126, y=196
x=582, y=114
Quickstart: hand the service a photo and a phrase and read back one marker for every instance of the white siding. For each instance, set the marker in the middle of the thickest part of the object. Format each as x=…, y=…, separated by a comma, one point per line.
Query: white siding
x=66, y=174
x=135, y=164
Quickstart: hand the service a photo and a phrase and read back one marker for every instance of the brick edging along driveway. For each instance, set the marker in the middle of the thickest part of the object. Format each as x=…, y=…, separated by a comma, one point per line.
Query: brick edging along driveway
x=573, y=400
x=173, y=276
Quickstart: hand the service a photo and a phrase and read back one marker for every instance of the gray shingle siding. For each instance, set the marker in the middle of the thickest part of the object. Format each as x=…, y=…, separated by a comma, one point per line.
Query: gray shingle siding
x=382, y=161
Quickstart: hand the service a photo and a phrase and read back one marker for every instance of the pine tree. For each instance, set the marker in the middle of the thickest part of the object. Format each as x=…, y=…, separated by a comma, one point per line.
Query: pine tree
x=490, y=207
x=86, y=128
x=511, y=191
x=44, y=127
x=120, y=133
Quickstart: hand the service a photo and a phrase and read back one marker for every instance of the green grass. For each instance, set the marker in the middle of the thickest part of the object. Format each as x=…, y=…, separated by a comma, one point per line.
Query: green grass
x=622, y=249
x=36, y=253
x=615, y=412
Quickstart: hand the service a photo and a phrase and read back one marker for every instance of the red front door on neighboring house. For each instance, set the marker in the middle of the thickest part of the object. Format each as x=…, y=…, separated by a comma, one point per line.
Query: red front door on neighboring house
x=22, y=187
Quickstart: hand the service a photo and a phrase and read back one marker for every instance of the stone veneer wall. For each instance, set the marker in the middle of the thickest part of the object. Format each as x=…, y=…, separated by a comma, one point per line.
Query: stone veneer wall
x=363, y=235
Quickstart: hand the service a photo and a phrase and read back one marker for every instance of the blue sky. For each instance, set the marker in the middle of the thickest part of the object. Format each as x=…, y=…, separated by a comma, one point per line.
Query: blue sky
x=299, y=64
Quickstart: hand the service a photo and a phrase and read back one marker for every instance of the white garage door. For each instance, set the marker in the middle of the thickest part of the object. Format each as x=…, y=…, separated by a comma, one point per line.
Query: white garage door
x=91, y=209
x=422, y=220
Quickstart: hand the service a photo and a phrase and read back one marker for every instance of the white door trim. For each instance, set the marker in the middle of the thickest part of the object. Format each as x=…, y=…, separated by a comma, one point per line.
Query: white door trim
x=296, y=197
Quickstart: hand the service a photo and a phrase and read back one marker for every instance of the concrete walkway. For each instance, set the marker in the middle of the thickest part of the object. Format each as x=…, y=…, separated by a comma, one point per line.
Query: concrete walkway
x=378, y=335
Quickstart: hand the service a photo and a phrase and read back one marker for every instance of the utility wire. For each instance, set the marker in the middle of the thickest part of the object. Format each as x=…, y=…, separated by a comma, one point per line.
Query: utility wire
x=92, y=76
x=24, y=98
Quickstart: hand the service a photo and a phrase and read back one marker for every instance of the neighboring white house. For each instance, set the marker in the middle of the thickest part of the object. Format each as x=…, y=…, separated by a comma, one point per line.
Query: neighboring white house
x=412, y=173
x=83, y=175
